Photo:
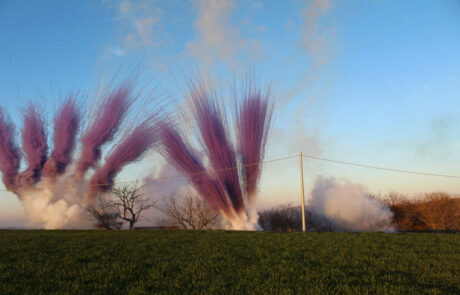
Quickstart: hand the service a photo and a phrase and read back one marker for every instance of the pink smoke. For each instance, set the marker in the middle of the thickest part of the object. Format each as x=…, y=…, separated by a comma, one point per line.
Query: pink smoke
x=130, y=149
x=253, y=117
x=66, y=125
x=176, y=151
x=35, y=147
x=215, y=138
x=10, y=156
x=103, y=128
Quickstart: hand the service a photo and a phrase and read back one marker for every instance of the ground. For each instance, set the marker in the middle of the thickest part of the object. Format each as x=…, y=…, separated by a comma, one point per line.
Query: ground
x=225, y=262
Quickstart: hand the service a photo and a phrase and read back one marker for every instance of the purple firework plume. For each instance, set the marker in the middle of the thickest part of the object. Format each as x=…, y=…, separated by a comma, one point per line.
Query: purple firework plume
x=35, y=147
x=175, y=150
x=10, y=157
x=130, y=149
x=103, y=128
x=215, y=139
x=66, y=125
x=253, y=117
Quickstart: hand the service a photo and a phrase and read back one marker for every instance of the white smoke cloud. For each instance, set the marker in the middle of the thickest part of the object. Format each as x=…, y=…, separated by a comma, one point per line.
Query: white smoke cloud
x=349, y=206
x=42, y=210
x=164, y=183
x=57, y=205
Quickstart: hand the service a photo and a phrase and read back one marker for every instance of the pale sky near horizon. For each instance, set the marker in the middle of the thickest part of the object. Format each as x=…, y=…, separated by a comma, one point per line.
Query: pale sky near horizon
x=372, y=82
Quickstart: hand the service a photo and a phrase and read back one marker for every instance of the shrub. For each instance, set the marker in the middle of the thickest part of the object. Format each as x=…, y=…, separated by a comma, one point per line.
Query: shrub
x=289, y=219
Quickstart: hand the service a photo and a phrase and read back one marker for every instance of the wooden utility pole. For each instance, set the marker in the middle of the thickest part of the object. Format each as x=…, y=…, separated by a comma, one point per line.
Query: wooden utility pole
x=303, y=195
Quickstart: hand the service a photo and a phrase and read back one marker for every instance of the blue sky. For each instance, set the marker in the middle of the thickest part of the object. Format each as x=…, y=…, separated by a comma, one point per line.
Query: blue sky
x=375, y=82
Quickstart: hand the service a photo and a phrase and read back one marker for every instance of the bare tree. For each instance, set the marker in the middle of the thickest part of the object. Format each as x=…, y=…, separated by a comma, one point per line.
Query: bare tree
x=104, y=216
x=128, y=203
x=189, y=212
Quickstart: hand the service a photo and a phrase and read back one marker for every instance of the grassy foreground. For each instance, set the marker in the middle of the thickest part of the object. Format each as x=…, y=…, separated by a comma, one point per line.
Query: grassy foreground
x=220, y=262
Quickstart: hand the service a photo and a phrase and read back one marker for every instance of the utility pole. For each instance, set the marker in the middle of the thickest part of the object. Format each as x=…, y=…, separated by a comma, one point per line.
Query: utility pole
x=303, y=195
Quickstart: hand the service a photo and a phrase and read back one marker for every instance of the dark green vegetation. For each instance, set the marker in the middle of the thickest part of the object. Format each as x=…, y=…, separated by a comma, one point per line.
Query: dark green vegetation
x=219, y=262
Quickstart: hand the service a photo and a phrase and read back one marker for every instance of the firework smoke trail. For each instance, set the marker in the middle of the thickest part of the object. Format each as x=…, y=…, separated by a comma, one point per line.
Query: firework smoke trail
x=130, y=149
x=103, y=128
x=35, y=147
x=215, y=138
x=175, y=150
x=66, y=126
x=253, y=117
x=10, y=157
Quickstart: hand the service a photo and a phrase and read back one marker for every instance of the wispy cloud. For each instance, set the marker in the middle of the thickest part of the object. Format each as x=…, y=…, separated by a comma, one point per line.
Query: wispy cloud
x=144, y=18
x=316, y=41
x=217, y=39
x=138, y=24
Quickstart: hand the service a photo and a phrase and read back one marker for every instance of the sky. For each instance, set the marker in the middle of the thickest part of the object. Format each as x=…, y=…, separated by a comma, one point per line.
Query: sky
x=372, y=82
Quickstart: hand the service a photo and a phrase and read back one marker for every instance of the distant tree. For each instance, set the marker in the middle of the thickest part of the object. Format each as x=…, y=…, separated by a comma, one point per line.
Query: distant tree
x=439, y=212
x=436, y=211
x=105, y=218
x=128, y=203
x=188, y=212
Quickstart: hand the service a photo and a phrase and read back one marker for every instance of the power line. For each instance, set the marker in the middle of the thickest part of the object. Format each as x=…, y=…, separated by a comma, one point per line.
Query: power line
x=381, y=168
x=183, y=175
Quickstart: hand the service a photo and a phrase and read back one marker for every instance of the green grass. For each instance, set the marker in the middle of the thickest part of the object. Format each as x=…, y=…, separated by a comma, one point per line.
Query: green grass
x=220, y=262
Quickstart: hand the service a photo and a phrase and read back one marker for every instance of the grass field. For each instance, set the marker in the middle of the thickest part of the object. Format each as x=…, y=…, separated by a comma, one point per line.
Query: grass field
x=220, y=262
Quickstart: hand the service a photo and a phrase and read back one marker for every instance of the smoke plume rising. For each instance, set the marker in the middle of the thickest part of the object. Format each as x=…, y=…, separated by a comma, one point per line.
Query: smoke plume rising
x=349, y=206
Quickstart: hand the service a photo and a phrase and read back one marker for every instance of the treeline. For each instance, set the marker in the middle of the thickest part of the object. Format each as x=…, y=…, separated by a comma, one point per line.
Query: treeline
x=437, y=211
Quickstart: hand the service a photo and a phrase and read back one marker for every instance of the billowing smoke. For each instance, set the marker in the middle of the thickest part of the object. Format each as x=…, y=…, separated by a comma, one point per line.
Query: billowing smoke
x=233, y=173
x=59, y=199
x=349, y=206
